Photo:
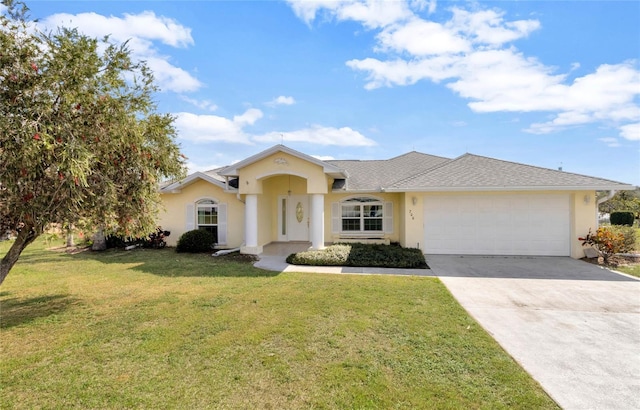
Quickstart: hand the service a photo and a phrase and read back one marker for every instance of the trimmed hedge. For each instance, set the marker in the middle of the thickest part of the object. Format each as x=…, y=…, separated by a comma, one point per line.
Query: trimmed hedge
x=622, y=218
x=196, y=241
x=362, y=255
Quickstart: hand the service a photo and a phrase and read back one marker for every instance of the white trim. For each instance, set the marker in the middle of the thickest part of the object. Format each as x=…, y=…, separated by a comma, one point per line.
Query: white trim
x=190, y=218
x=512, y=188
x=175, y=187
x=281, y=172
x=222, y=224
x=361, y=231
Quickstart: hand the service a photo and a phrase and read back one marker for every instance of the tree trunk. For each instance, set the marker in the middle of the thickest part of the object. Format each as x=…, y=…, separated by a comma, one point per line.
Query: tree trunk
x=99, y=241
x=26, y=235
x=70, y=243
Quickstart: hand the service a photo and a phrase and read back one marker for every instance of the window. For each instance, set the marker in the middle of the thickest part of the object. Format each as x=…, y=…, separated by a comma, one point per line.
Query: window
x=207, y=216
x=362, y=215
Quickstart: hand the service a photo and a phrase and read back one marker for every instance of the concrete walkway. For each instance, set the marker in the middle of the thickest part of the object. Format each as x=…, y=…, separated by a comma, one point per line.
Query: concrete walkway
x=573, y=326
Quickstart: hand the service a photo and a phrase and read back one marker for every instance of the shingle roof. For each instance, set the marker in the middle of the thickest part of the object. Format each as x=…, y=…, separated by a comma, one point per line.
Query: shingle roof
x=373, y=175
x=476, y=172
x=416, y=171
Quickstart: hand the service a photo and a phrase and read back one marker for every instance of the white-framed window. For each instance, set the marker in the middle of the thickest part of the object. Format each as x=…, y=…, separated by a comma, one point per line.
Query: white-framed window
x=208, y=214
x=362, y=214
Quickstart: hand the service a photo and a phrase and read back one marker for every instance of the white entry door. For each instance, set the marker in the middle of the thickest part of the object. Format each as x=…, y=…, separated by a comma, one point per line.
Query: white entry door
x=293, y=218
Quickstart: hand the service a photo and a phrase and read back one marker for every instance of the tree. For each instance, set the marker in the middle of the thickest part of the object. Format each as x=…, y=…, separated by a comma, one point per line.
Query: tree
x=81, y=141
x=622, y=201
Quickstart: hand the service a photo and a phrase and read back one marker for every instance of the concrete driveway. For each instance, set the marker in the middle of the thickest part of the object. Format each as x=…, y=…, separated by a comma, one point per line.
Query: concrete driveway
x=573, y=326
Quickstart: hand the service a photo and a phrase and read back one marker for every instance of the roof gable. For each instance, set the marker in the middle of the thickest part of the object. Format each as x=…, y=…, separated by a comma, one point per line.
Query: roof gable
x=328, y=168
x=210, y=176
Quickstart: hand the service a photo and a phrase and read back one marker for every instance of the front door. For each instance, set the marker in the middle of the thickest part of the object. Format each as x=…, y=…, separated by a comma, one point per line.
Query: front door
x=293, y=218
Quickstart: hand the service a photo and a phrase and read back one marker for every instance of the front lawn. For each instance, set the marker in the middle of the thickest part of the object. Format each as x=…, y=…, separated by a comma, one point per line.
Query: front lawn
x=633, y=270
x=157, y=329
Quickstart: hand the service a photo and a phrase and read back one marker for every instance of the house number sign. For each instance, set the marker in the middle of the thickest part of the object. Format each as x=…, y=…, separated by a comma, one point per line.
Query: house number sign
x=299, y=212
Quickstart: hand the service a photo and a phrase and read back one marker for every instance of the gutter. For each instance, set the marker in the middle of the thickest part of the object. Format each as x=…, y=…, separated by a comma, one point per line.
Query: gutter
x=602, y=200
x=608, y=197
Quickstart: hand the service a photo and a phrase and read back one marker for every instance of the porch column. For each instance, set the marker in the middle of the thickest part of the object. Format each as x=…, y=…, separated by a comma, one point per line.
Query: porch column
x=251, y=226
x=317, y=221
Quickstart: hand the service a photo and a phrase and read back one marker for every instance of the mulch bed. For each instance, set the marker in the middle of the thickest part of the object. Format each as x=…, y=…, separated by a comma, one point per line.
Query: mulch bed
x=616, y=260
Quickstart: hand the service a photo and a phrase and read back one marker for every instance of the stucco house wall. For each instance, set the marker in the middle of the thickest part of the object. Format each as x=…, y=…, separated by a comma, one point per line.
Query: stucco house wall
x=465, y=197
x=173, y=217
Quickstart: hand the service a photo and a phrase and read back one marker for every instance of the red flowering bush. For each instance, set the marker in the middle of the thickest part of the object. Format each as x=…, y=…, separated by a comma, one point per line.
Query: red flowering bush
x=608, y=241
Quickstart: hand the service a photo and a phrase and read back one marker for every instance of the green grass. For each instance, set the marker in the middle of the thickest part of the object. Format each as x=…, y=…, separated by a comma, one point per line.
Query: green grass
x=633, y=270
x=156, y=329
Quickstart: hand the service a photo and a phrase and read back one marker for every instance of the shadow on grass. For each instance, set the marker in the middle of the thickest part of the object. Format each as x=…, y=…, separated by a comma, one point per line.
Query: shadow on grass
x=16, y=311
x=168, y=263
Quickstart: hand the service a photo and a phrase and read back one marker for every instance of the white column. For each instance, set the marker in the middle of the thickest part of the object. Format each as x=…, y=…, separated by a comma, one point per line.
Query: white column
x=251, y=226
x=317, y=221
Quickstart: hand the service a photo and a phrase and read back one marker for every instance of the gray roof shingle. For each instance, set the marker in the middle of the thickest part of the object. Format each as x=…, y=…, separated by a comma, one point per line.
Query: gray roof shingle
x=476, y=172
x=372, y=175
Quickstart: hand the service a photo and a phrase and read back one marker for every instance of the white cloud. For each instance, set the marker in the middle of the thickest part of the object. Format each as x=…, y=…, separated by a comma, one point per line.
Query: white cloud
x=611, y=142
x=370, y=13
x=316, y=134
x=281, y=100
x=402, y=72
x=420, y=5
x=214, y=128
x=488, y=26
x=323, y=157
x=631, y=131
x=420, y=38
x=249, y=117
x=193, y=167
x=202, y=104
x=142, y=31
x=474, y=54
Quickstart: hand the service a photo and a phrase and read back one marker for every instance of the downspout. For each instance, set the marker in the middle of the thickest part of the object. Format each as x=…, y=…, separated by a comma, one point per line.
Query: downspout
x=602, y=200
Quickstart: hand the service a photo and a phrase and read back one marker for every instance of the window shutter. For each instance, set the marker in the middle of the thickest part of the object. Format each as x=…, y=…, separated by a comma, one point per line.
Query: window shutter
x=190, y=218
x=222, y=224
x=336, y=217
x=388, y=217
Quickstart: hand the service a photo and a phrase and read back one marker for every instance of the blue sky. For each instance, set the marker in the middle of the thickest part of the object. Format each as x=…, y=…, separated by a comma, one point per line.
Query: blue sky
x=547, y=83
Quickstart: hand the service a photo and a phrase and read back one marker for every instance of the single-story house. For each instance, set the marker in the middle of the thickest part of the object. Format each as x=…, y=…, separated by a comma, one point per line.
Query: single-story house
x=467, y=205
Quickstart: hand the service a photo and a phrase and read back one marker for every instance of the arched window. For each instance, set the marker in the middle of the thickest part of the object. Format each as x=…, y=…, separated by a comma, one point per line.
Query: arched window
x=207, y=216
x=363, y=214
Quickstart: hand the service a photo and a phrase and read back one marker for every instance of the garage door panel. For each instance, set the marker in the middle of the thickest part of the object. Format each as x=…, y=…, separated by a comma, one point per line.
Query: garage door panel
x=507, y=224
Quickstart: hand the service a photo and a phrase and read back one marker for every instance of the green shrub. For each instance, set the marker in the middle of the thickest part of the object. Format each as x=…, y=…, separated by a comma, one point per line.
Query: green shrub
x=628, y=237
x=195, y=241
x=622, y=218
x=361, y=255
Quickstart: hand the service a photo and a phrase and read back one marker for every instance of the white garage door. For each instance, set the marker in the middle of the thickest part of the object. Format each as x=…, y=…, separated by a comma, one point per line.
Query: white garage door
x=505, y=224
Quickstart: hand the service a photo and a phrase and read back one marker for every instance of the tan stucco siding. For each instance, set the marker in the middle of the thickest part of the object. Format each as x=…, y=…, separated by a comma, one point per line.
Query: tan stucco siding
x=253, y=176
x=583, y=209
x=394, y=198
x=173, y=218
x=413, y=220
